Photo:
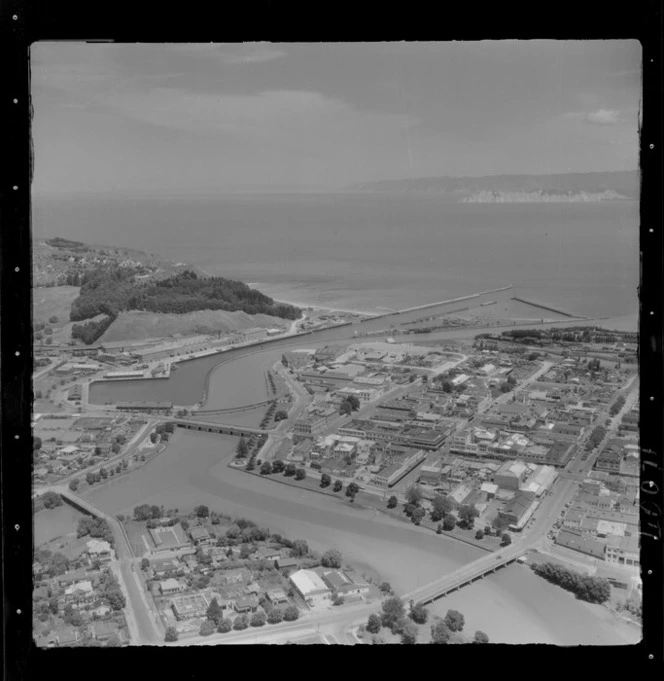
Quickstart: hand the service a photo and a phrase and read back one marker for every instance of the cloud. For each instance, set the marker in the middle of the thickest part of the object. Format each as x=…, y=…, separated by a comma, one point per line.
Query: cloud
x=603, y=117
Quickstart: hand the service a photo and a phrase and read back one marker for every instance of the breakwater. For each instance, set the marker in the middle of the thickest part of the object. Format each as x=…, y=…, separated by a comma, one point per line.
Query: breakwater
x=547, y=307
x=441, y=302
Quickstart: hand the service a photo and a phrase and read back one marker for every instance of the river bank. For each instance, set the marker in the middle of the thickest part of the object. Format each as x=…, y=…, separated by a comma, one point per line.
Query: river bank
x=512, y=606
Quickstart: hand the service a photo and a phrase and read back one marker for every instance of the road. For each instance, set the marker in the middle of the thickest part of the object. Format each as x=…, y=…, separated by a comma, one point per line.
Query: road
x=144, y=627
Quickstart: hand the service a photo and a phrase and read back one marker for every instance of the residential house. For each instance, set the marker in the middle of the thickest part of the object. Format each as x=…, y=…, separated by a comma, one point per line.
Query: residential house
x=200, y=536
x=99, y=550
x=188, y=606
x=246, y=604
x=344, y=584
x=100, y=608
x=169, y=586
x=238, y=576
x=277, y=597
x=68, y=636
x=103, y=631
x=285, y=563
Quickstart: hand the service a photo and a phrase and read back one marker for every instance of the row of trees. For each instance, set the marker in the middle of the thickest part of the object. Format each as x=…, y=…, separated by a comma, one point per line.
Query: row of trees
x=110, y=290
x=587, y=588
x=617, y=405
x=278, y=466
x=47, y=500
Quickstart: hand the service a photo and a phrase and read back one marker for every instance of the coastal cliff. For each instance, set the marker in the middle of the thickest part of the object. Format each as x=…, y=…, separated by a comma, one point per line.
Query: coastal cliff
x=542, y=197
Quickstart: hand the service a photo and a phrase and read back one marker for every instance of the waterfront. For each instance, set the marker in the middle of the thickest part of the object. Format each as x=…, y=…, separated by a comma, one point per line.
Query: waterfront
x=511, y=606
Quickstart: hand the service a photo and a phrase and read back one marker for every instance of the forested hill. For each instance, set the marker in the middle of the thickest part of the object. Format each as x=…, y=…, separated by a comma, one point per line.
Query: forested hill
x=110, y=291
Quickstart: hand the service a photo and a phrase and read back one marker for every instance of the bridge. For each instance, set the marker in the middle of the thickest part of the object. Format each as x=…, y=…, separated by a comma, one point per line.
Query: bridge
x=221, y=428
x=465, y=575
x=236, y=410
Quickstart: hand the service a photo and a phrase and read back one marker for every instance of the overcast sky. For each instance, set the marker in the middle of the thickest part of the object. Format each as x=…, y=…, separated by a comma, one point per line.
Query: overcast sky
x=220, y=117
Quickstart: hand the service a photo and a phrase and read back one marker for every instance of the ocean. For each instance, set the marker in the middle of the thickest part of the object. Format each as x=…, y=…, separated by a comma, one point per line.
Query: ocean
x=375, y=252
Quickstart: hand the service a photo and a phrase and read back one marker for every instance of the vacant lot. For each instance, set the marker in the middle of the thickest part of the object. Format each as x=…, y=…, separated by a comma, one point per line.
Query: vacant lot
x=143, y=325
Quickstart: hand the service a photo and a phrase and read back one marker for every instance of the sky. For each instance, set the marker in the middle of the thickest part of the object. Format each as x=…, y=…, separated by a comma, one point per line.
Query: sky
x=320, y=116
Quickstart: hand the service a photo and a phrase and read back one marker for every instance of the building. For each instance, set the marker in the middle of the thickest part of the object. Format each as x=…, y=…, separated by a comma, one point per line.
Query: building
x=245, y=604
x=511, y=475
x=310, y=586
x=296, y=360
x=609, y=460
x=623, y=550
x=75, y=392
x=167, y=538
x=162, y=566
x=519, y=510
x=190, y=605
x=239, y=576
x=576, y=540
x=169, y=586
x=286, y=564
x=99, y=550
x=390, y=475
x=277, y=597
x=200, y=536
x=343, y=584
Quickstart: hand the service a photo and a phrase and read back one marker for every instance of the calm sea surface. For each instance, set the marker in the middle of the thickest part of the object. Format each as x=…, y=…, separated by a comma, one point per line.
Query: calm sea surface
x=376, y=252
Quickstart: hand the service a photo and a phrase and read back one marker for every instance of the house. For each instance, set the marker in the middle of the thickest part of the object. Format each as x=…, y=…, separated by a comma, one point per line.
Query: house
x=245, y=604
x=103, y=631
x=286, y=564
x=100, y=608
x=239, y=576
x=162, y=566
x=341, y=582
x=277, y=597
x=310, y=586
x=266, y=553
x=80, y=593
x=99, y=550
x=167, y=538
x=200, y=536
x=169, y=586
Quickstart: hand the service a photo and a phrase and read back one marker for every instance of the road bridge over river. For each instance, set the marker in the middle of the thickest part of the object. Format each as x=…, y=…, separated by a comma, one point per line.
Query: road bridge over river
x=221, y=428
x=466, y=575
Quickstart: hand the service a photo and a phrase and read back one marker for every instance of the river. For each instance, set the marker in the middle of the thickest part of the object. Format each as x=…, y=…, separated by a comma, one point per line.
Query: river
x=512, y=606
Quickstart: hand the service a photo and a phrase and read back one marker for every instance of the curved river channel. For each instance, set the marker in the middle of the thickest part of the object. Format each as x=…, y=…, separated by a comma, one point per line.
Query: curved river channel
x=512, y=606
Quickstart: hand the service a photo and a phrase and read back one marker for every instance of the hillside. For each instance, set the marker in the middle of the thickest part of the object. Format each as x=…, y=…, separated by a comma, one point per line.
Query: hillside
x=517, y=188
x=134, y=326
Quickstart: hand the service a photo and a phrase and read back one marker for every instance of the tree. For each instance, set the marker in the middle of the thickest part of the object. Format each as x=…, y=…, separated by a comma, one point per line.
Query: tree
x=281, y=415
x=145, y=564
x=449, y=522
x=374, y=624
x=258, y=619
x=171, y=635
x=224, y=626
x=53, y=320
x=419, y=614
x=479, y=534
x=207, y=628
x=338, y=486
x=454, y=620
x=440, y=633
x=36, y=443
x=393, y=610
x=386, y=588
x=266, y=468
x=414, y=495
x=103, y=473
x=275, y=616
x=440, y=506
x=214, y=612
x=352, y=489
x=338, y=599
x=73, y=485
x=290, y=470
x=325, y=480
x=418, y=515
x=332, y=559
x=90, y=477
x=49, y=341
x=345, y=408
x=278, y=466
x=467, y=515
x=506, y=540
x=392, y=502
x=480, y=637
x=291, y=613
x=242, y=448
x=241, y=622
x=153, y=437
x=409, y=633
x=300, y=474
x=202, y=511
x=300, y=547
